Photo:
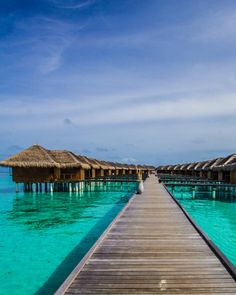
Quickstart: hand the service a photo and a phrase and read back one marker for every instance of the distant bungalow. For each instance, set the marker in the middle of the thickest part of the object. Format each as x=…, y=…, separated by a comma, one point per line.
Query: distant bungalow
x=221, y=169
x=37, y=165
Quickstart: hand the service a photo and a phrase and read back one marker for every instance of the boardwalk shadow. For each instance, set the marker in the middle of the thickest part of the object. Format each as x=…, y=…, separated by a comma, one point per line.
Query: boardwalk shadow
x=73, y=258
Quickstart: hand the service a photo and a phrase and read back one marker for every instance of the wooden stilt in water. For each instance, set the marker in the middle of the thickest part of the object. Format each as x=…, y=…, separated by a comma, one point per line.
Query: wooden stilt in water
x=76, y=188
x=194, y=192
x=214, y=193
x=17, y=187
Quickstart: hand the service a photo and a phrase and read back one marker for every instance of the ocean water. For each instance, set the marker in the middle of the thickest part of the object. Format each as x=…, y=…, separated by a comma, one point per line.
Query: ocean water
x=216, y=217
x=43, y=236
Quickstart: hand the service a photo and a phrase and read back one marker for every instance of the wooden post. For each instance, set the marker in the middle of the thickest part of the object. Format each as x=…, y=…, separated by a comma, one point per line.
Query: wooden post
x=194, y=191
x=214, y=193
x=220, y=175
x=17, y=187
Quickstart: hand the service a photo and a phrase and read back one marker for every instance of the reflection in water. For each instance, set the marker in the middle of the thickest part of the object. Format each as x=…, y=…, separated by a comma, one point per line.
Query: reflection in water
x=44, y=236
x=43, y=210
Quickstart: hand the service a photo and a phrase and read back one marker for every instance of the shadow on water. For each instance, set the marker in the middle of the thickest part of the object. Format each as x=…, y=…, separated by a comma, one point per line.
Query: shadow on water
x=74, y=257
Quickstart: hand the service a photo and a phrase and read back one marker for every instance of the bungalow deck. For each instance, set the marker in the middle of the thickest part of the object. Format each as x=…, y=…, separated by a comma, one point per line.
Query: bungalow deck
x=150, y=248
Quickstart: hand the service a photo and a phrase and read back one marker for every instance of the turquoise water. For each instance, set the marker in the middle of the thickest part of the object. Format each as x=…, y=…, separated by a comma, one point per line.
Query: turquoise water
x=217, y=217
x=44, y=236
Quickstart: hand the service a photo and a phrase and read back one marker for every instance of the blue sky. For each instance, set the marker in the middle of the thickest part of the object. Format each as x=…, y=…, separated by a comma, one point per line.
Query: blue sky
x=149, y=81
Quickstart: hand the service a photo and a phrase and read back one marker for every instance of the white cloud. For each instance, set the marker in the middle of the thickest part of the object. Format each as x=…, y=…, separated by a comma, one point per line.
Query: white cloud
x=73, y=4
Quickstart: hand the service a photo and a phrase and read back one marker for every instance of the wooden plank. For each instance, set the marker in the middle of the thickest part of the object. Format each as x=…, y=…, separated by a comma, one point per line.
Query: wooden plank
x=150, y=248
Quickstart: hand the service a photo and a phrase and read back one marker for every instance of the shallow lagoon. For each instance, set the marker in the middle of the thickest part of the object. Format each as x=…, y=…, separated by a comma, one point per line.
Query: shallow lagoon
x=217, y=217
x=44, y=236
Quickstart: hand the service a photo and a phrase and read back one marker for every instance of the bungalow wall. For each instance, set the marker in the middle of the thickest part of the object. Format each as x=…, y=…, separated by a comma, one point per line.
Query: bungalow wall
x=99, y=172
x=73, y=174
x=226, y=176
x=214, y=175
x=32, y=174
x=107, y=172
x=233, y=176
x=204, y=174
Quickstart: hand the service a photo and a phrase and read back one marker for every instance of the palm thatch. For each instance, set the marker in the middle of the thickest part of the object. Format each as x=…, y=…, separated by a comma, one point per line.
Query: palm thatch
x=93, y=163
x=210, y=164
x=183, y=167
x=107, y=165
x=199, y=166
x=191, y=166
x=34, y=156
x=227, y=164
x=37, y=156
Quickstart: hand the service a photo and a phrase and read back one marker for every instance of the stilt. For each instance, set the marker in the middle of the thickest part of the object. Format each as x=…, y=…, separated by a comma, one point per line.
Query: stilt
x=40, y=187
x=17, y=187
x=214, y=193
x=51, y=187
x=194, y=192
x=70, y=187
x=76, y=187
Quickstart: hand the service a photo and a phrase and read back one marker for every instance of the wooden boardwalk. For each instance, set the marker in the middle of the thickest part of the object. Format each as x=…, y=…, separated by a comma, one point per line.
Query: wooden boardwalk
x=150, y=248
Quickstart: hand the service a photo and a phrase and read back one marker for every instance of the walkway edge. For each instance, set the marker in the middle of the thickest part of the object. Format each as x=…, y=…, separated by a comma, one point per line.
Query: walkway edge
x=66, y=284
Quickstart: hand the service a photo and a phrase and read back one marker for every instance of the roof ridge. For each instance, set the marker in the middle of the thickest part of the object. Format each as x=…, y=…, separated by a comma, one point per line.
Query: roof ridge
x=46, y=152
x=230, y=158
x=72, y=155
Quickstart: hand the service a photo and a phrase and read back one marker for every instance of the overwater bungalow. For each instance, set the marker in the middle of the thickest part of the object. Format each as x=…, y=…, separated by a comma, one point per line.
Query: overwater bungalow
x=190, y=169
x=208, y=169
x=39, y=165
x=59, y=169
x=198, y=168
x=176, y=169
x=221, y=169
x=226, y=169
x=183, y=169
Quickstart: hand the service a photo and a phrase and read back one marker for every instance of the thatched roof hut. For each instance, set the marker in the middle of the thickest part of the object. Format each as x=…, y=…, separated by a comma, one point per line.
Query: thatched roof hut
x=210, y=164
x=92, y=162
x=176, y=167
x=183, y=167
x=199, y=166
x=191, y=166
x=226, y=164
x=37, y=156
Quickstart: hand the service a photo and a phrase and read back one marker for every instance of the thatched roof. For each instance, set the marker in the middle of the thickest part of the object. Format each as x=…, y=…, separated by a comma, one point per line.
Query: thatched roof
x=104, y=165
x=93, y=163
x=191, y=166
x=83, y=160
x=177, y=167
x=37, y=156
x=34, y=156
x=199, y=166
x=210, y=164
x=227, y=163
x=184, y=166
